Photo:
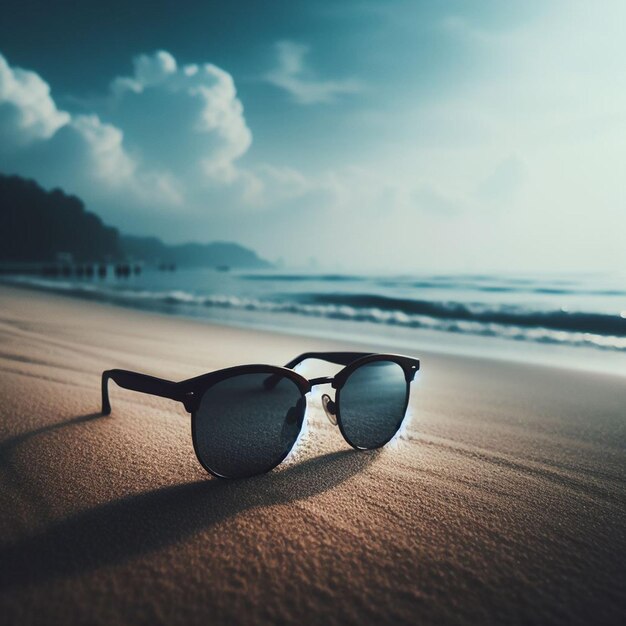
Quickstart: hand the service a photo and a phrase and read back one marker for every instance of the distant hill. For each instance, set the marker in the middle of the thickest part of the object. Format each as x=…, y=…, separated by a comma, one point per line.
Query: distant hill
x=153, y=250
x=36, y=225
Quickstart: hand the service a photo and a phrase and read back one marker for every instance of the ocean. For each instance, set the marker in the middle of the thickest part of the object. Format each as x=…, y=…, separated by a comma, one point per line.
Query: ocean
x=551, y=320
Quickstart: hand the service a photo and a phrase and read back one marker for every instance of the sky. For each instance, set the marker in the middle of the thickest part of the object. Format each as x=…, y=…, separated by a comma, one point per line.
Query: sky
x=399, y=136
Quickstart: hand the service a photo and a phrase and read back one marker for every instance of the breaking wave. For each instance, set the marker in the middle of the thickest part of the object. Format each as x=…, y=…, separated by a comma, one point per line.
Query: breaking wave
x=563, y=327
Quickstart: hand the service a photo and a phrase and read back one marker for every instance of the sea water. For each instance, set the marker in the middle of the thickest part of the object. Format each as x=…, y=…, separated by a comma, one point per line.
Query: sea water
x=577, y=321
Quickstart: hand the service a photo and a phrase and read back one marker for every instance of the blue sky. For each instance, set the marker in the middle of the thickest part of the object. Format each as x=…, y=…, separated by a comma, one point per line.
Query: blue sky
x=413, y=136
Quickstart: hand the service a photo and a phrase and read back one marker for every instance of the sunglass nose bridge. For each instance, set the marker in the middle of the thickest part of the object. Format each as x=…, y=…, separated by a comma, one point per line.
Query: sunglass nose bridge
x=330, y=408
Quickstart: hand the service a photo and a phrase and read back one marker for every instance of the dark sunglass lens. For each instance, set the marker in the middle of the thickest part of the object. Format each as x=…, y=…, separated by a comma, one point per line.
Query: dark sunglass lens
x=372, y=403
x=242, y=428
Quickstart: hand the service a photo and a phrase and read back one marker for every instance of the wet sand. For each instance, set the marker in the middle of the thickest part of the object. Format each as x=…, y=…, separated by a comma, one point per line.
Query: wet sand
x=503, y=502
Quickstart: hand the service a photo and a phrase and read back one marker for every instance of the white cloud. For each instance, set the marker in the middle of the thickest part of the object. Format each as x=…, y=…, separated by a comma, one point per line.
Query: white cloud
x=292, y=75
x=149, y=71
x=166, y=136
x=211, y=128
x=108, y=162
x=80, y=152
x=108, y=159
x=27, y=111
x=223, y=115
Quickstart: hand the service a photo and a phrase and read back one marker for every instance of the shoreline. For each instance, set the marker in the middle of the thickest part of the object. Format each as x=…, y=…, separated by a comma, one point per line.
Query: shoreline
x=504, y=500
x=363, y=334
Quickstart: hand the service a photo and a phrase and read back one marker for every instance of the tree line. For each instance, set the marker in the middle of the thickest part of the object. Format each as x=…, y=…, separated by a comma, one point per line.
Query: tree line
x=38, y=225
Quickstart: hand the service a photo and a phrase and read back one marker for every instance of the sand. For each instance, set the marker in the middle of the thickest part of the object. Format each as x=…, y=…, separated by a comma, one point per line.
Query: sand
x=503, y=502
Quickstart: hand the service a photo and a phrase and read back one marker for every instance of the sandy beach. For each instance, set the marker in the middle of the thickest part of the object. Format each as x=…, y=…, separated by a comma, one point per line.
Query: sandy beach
x=503, y=502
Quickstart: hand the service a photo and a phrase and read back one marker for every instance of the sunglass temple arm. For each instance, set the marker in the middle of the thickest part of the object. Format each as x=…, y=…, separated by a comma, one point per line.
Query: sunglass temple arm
x=138, y=382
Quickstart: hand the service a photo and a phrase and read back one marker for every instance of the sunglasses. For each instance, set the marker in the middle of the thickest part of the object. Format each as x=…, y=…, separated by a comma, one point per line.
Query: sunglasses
x=245, y=420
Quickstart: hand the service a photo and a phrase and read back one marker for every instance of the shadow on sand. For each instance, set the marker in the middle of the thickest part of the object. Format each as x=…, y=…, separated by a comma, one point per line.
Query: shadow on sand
x=119, y=530
x=14, y=480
